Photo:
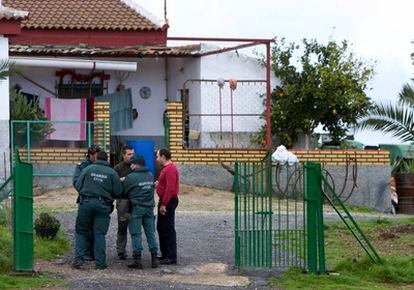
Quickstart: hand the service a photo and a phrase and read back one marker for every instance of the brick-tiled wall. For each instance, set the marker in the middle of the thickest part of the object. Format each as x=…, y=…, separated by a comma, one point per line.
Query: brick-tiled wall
x=339, y=157
x=215, y=156
x=102, y=113
x=54, y=155
x=202, y=156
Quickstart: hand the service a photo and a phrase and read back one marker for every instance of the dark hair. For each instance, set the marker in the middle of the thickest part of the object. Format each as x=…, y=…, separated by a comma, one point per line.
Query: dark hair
x=93, y=149
x=102, y=156
x=125, y=148
x=165, y=152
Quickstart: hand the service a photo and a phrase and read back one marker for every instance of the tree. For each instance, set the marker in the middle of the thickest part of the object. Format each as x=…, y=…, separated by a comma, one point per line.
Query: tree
x=396, y=119
x=327, y=87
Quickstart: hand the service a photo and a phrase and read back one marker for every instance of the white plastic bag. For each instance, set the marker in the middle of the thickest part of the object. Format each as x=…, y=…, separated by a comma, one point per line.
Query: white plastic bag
x=283, y=156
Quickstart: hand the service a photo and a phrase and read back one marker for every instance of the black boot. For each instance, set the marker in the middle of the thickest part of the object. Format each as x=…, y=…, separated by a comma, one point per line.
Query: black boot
x=137, y=263
x=154, y=260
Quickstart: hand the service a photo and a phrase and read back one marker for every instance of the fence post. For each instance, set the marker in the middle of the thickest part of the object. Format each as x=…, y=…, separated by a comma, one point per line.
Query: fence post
x=23, y=216
x=28, y=140
x=236, y=214
x=314, y=225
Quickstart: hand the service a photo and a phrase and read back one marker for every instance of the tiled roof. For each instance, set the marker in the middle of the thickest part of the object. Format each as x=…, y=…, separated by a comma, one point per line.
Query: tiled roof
x=99, y=51
x=12, y=14
x=85, y=14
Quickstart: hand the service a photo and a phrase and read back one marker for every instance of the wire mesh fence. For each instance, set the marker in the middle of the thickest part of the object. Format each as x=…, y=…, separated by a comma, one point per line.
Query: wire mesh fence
x=224, y=113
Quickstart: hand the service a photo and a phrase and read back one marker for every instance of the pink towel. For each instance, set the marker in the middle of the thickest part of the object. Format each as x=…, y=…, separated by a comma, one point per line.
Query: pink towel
x=66, y=110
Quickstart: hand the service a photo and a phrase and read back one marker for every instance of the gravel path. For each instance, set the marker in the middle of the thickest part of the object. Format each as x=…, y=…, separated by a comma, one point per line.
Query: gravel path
x=205, y=259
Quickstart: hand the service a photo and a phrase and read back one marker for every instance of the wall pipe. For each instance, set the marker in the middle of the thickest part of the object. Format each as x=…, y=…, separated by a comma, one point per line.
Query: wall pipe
x=74, y=63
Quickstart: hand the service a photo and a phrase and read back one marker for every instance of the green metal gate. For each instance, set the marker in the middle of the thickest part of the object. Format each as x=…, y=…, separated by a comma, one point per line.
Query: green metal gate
x=277, y=219
x=279, y=216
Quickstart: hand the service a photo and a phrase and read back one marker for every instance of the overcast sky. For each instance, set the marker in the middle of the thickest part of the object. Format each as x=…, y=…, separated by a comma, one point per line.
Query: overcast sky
x=380, y=30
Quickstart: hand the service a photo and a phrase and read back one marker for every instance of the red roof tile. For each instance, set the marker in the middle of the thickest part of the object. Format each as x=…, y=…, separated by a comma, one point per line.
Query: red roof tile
x=192, y=50
x=84, y=14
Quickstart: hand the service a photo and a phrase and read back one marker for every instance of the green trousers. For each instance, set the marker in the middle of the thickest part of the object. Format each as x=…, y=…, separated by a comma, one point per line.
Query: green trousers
x=92, y=214
x=142, y=216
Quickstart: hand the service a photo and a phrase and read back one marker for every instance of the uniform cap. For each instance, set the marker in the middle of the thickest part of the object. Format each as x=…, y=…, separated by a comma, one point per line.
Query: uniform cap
x=138, y=159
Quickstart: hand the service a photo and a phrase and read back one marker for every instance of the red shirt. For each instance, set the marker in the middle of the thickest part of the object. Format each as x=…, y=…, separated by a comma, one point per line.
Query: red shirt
x=168, y=184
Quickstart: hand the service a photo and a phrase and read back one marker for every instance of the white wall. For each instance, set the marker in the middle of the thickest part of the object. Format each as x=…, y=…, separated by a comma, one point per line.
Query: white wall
x=151, y=73
x=4, y=85
x=4, y=113
x=150, y=111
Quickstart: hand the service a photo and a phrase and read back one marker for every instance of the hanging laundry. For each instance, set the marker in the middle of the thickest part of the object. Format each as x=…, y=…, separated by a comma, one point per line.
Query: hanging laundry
x=66, y=110
x=120, y=109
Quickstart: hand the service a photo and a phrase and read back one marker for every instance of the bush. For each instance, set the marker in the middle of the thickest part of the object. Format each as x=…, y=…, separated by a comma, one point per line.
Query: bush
x=47, y=226
x=45, y=220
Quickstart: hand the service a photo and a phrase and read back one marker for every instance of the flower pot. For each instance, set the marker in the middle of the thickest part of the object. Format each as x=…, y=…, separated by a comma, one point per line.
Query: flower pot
x=46, y=232
x=405, y=192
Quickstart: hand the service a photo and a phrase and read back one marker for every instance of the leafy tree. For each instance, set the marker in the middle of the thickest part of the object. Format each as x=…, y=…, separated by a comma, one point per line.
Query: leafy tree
x=326, y=86
x=395, y=119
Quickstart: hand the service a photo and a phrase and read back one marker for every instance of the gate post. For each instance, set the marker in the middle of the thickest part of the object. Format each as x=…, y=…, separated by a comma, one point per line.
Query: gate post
x=23, y=216
x=314, y=221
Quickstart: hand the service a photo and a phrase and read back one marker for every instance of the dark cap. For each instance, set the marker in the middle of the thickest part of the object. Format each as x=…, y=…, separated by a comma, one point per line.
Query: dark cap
x=137, y=159
x=94, y=149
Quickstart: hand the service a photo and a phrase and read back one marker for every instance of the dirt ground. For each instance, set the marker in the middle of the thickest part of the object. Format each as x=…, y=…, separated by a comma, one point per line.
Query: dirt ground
x=192, y=199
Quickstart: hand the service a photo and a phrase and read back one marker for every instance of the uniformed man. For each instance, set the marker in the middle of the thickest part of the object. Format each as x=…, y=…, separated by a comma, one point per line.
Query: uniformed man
x=98, y=185
x=122, y=203
x=90, y=159
x=139, y=187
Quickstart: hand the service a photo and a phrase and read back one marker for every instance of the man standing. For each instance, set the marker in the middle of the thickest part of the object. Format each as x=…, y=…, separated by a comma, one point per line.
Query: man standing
x=98, y=185
x=90, y=159
x=167, y=190
x=122, y=204
x=139, y=187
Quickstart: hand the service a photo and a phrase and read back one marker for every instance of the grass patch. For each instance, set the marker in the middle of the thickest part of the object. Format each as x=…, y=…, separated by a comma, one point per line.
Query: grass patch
x=43, y=249
x=10, y=281
x=392, y=238
x=51, y=249
x=359, y=209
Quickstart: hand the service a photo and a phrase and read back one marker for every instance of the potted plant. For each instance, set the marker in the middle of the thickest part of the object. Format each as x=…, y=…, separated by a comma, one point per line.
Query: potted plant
x=46, y=226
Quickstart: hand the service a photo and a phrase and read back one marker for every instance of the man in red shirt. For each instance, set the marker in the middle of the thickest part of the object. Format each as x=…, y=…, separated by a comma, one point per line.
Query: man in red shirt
x=167, y=189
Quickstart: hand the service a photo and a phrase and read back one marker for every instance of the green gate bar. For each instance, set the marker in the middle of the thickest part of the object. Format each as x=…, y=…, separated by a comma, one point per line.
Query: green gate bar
x=23, y=216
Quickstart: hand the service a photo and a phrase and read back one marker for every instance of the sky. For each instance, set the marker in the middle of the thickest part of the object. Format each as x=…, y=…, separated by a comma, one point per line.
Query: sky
x=379, y=30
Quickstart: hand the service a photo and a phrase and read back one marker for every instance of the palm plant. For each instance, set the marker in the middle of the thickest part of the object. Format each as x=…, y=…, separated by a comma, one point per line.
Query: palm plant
x=395, y=119
x=6, y=69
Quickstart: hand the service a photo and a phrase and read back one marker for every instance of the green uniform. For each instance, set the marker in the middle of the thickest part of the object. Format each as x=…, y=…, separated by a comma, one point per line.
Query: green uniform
x=123, y=211
x=78, y=169
x=139, y=186
x=98, y=185
x=85, y=163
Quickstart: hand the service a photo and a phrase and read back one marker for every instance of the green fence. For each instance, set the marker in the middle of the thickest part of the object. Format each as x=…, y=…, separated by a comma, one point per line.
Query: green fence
x=279, y=216
x=29, y=134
